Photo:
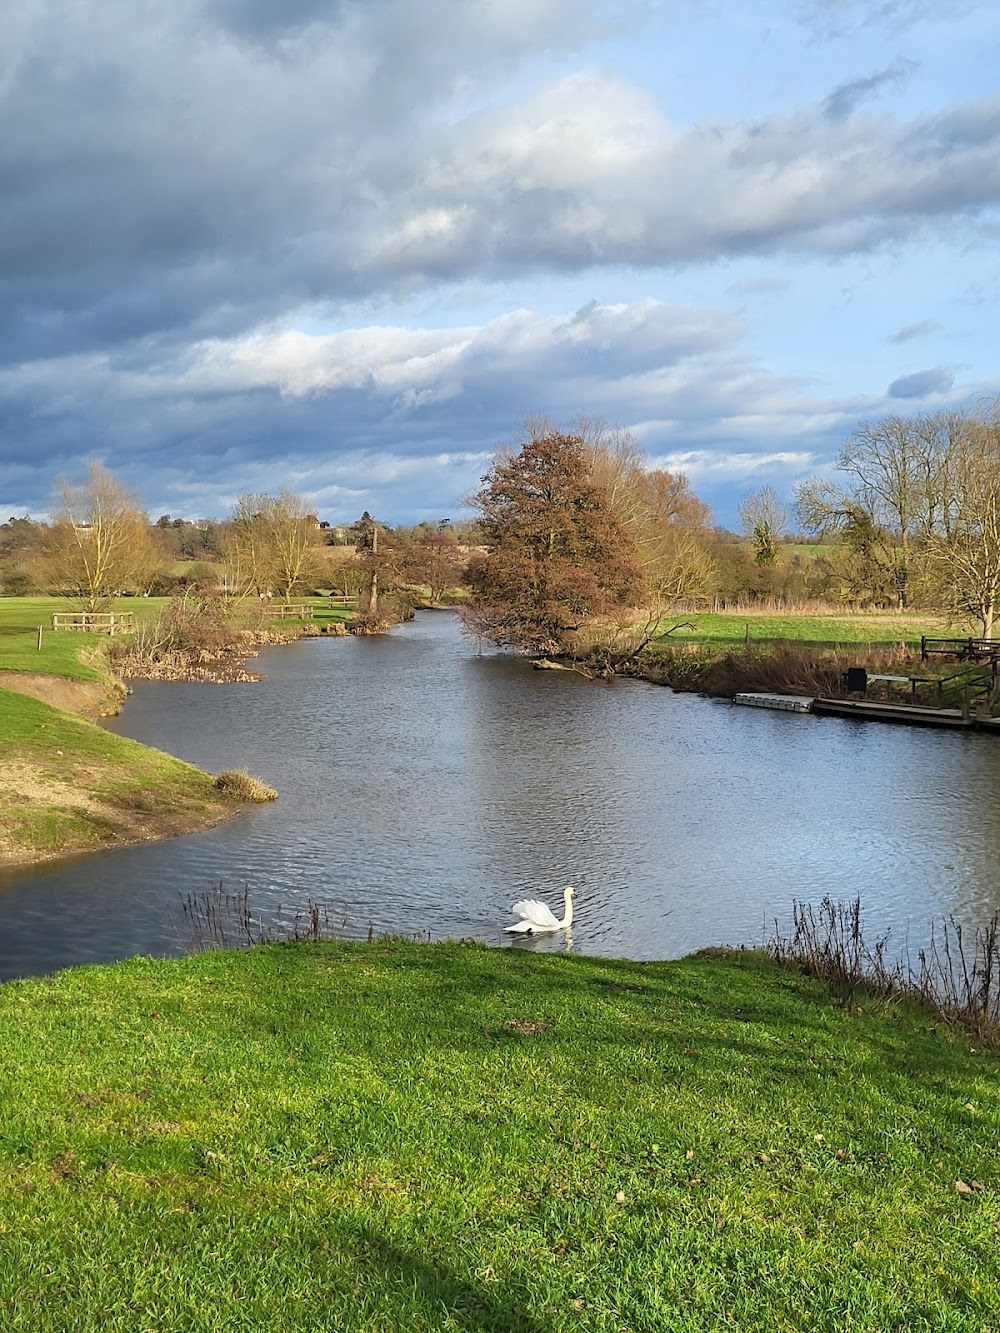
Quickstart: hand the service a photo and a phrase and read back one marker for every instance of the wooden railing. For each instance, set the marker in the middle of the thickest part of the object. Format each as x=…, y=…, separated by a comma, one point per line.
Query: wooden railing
x=966, y=650
x=95, y=622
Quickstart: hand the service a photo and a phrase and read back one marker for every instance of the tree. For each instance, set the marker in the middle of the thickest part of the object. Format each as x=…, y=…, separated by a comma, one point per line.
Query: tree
x=763, y=521
x=664, y=520
x=432, y=557
x=967, y=555
x=100, y=544
x=868, y=566
x=557, y=554
x=271, y=546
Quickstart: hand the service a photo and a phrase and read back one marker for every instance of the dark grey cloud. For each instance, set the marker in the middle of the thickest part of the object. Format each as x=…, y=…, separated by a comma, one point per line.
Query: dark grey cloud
x=401, y=419
x=847, y=97
x=922, y=383
x=910, y=331
x=189, y=169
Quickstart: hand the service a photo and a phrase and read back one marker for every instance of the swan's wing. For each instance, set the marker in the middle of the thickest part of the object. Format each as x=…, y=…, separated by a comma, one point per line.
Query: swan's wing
x=521, y=928
x=538, y=914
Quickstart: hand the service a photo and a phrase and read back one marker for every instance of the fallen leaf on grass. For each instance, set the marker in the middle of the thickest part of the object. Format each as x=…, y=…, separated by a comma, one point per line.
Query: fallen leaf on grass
x=962, y=1188
x=689, y=1154
x=620, y=1197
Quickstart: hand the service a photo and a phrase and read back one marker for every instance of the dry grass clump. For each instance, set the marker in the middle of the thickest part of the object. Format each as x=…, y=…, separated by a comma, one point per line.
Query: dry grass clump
x=240, y=785
x=956, y=976
x=782, y=667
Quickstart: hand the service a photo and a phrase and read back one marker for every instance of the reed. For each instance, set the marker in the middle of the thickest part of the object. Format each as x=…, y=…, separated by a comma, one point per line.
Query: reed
x=956, y=976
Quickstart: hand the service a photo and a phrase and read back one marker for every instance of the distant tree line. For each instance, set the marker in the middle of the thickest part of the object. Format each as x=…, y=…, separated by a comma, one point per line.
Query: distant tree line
x=101, y=544
x=572, y=527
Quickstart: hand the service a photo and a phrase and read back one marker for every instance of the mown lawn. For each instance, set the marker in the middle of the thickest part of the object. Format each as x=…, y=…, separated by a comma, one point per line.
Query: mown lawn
x=63, y=653
x=725, y=630
x=82, y=656
x=445, y=1137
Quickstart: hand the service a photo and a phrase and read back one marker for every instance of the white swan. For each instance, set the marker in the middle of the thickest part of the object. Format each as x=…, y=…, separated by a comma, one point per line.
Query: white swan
x=536, y=917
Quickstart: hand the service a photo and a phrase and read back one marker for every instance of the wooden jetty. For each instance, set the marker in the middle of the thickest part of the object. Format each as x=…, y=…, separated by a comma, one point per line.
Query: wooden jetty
x=914, y=714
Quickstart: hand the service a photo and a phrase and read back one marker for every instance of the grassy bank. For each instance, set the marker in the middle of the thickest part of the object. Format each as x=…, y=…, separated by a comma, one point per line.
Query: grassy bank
x=70, y=655
x=70, y=786
x=729, y=630
x=67, y=785
x=447, y=1137
x=721, y=654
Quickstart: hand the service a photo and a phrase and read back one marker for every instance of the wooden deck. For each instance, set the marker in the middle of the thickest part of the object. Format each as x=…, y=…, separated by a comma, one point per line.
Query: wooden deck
x=913, y=714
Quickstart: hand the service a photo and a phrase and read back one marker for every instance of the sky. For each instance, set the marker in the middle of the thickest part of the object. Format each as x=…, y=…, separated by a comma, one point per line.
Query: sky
x=343, y=246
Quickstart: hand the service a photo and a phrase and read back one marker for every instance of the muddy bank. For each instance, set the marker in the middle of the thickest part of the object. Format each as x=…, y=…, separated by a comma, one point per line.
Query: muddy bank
x=90, y=698
x=46, y=819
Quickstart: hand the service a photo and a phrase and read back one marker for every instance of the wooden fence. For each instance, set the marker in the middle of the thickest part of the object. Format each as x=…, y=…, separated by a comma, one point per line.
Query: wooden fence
x=96, y=622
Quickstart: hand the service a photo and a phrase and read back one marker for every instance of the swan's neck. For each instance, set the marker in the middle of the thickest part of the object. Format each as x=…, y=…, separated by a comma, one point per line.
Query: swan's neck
x=568, y=915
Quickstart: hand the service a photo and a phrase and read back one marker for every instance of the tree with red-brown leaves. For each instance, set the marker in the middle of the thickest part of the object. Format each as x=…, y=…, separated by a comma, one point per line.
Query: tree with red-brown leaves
x=557, y=554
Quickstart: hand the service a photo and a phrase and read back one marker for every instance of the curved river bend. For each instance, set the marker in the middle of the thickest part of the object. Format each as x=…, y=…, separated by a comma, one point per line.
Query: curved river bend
x=425, y=786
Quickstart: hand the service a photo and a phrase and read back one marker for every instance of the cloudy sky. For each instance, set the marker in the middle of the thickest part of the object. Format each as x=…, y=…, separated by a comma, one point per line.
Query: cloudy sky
x=343, y=245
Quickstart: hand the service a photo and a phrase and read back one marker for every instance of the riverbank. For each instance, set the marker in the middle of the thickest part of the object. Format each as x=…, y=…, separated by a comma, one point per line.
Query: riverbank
x=455, y=1137
x=721, y=655
x=68, y=785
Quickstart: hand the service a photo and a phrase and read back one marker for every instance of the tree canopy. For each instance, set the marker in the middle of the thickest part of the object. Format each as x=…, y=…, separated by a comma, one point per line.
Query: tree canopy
x=558, y=554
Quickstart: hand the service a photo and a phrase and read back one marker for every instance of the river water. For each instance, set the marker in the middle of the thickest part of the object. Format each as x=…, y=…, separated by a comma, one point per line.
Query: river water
x=426, y=785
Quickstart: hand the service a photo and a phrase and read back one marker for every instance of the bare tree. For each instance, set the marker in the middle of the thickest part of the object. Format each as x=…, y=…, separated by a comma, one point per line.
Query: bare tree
x=100, y=544
x=657, y=510
x=967, y=556
x=763, y=521
x=271, y=546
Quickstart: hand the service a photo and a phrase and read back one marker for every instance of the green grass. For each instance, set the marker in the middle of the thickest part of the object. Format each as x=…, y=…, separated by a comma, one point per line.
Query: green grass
x=446, y=1137
x=69, y=785
x=729, y=629
x=63, y=653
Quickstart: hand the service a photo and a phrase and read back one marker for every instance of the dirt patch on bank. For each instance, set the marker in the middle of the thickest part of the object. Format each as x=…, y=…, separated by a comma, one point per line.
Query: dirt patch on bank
x=89, y=698
x=77, y=817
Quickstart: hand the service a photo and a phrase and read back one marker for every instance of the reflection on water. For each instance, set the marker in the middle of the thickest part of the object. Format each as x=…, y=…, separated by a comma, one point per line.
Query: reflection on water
x=426, y=786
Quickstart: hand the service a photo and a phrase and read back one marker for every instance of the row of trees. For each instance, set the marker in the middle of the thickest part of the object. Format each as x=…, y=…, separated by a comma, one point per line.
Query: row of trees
x=917, y=516
x=574, y=526
x=100, y=543
x=578, y=526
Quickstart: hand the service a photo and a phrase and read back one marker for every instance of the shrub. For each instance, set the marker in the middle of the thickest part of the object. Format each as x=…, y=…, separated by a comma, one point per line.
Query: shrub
x=240, y=785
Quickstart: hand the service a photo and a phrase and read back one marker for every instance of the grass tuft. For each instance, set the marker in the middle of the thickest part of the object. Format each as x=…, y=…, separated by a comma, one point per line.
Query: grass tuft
x=240, y=785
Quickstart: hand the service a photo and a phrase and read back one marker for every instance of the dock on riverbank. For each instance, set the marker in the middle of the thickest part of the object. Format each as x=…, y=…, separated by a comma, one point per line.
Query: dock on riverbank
x=869, y=710
x=913, y=714
x=786, y=703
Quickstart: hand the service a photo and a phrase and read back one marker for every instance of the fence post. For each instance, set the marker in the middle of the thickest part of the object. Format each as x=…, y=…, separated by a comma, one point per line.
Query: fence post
x=39, y=638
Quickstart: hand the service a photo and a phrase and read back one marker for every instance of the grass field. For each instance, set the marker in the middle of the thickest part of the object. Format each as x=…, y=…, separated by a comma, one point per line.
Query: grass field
x=82, y=656
x=730, y=629
x=76, y=656
x=445, y=1137
x=69, y=785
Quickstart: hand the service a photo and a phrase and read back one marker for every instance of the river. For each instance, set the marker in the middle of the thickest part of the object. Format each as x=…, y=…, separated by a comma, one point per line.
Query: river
x=425, y=785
